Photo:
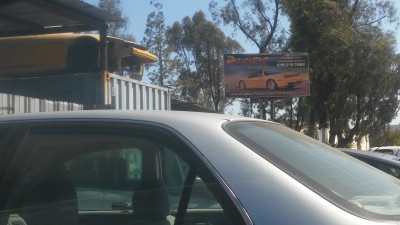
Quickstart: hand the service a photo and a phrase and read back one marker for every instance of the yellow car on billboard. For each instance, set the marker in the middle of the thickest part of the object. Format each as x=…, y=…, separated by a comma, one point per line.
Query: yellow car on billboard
x=270, y=79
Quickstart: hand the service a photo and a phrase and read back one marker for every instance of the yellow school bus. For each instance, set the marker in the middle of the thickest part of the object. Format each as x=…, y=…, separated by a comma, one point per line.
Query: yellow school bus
x=69, y=53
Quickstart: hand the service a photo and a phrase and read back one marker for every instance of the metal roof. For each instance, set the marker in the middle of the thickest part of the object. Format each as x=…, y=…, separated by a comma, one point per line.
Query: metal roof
x=24, y=17
x=178, y=105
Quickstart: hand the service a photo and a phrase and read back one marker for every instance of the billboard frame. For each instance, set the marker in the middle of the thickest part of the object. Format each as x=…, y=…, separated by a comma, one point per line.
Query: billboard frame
x=267, y=75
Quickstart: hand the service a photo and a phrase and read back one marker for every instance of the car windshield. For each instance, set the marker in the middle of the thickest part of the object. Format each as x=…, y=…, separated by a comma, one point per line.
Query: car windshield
x=336, y=176
x=271, y=72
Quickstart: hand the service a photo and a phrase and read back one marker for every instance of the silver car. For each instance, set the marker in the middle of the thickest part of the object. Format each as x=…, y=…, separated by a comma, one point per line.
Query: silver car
x=146, y=167
x=391, y=150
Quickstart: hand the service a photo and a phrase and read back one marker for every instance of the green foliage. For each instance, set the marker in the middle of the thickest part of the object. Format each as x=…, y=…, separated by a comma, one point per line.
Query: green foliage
x=116, y=29
x=162, y=72
x=354, y=76
x=200, y=46
x=246, y=107
x=387, y=138
x=256, y=19
x=188, y=85
x=294, y=112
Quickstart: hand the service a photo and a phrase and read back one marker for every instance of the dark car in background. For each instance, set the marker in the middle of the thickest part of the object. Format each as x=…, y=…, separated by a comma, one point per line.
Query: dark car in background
x=387, y=163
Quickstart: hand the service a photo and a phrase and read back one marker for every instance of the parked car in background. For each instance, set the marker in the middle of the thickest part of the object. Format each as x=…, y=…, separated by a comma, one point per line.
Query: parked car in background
x=391, y=150
x=181, y=168
x=270, y=79
x=387, y=163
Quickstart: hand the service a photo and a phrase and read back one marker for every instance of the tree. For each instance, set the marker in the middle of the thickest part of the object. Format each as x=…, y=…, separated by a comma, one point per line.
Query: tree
x=252, y=18
x=119, y=29
x=200, y=46
x=116, y=29
x=294, y=113
x=387, y=138
x=162, y=72
x=353, y=65
x=188, y=83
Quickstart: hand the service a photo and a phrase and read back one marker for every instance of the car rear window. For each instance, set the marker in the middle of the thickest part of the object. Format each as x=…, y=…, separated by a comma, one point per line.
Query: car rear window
x=345, y=181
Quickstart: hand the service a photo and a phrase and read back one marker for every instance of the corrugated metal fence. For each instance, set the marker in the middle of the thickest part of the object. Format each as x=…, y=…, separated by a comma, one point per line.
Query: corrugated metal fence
x=128, y=94
x=15, y=104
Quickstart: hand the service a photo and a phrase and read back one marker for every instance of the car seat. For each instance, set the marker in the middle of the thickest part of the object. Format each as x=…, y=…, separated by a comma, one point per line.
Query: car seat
x=150, y=203
x=51, y=201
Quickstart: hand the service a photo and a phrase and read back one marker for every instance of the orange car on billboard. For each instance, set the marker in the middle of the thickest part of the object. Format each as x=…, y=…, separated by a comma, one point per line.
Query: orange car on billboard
x=270, y=79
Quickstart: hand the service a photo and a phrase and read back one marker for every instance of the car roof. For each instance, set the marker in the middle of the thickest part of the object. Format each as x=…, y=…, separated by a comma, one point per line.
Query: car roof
x=386, y=147
x=172, y=118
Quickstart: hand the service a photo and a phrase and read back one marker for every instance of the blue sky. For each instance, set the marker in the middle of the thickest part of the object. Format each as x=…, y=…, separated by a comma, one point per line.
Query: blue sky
x=176, y=10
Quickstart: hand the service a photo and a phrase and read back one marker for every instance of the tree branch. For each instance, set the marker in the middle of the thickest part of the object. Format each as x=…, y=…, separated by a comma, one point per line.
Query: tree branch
x=241, y=27
x=272, y=32
x=353, y=9
x=367, y=24
x=262, y=13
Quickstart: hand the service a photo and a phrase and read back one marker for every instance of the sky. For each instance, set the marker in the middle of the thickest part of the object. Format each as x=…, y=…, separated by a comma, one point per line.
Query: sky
x=176, y=10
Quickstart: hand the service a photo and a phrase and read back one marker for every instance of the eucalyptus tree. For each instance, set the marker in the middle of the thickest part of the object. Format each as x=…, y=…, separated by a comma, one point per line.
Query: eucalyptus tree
x=188, y=82
x=116, y=29
x=353, y=64
x=200, y=45
x=162, y=72
x=259, y=21
x=119, y=29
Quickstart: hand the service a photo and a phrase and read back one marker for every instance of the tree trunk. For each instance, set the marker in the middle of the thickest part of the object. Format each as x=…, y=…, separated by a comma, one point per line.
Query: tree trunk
x=272, y=112
x=291, y=114
x=311, y=126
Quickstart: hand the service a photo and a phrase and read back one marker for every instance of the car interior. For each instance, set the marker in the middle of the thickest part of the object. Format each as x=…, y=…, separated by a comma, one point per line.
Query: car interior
x=98, y=175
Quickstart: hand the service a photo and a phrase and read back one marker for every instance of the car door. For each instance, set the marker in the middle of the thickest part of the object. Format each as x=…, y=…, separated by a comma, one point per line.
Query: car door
x=111, y=166
x=255, y=80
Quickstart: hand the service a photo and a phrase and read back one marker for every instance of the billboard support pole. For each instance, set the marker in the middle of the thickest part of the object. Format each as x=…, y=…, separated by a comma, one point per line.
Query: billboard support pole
x=261, y=109
x=272, y=115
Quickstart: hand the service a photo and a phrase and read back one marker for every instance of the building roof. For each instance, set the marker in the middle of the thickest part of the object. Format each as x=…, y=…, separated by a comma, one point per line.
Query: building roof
x=27, y=17
x=178, y=105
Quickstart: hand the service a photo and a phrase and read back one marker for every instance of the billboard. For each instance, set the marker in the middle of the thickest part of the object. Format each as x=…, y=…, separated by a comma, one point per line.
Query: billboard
x=266, y=75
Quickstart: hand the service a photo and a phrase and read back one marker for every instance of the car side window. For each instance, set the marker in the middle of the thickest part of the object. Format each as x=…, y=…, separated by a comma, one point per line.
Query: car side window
x=202, y=199
x=385, y=151
x=90, y=170
x=132, y=159
x=116, y=173
x=105, y=180
x=256, y=74
x=176, y=172
x=201, y=196
x=271, y=72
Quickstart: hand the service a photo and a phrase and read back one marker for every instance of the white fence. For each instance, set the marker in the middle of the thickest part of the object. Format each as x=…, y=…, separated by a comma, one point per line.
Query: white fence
x=128, y=94
x=15, y=104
